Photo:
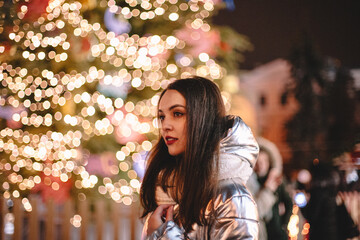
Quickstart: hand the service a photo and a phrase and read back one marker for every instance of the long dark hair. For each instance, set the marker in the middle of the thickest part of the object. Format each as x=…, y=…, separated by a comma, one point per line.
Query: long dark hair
x=194, y=173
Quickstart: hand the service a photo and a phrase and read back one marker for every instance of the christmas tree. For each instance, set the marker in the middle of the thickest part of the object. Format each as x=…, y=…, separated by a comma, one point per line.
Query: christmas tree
x=79, y=84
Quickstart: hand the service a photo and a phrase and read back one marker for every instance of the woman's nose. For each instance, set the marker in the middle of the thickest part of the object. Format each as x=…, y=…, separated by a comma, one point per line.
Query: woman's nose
x=166, y=125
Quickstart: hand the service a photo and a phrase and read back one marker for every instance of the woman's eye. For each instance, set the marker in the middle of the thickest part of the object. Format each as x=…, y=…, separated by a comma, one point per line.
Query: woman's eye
x=178, y=114
x=161, y=118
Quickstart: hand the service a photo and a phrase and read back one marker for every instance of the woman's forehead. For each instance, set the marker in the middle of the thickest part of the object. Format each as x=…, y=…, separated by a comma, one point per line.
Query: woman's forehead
x=170, y=99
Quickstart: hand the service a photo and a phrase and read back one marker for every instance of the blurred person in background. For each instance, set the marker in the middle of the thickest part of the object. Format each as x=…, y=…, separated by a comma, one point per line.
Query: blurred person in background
x=349, y=165
x=325, y=212
x=268, y=189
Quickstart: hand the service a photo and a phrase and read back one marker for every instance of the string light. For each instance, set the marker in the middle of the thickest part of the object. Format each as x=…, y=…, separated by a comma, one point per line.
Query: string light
x=41, y=97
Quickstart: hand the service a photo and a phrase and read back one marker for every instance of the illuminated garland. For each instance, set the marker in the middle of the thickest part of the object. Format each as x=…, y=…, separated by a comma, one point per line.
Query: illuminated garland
x=53, y=110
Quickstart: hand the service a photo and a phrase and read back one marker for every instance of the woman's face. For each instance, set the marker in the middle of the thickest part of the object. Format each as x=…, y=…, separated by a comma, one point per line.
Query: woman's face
x=262, y=164
x=172, y=116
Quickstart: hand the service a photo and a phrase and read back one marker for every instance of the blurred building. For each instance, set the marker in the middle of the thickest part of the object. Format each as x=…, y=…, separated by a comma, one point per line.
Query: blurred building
x=265, y=88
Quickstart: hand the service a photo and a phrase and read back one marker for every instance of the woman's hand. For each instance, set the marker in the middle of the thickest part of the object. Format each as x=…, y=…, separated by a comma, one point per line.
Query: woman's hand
x=274, y=180
x=161, y=214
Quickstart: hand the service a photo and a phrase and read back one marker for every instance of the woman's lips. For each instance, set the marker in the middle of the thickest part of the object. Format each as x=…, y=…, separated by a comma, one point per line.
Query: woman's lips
x=170, y=140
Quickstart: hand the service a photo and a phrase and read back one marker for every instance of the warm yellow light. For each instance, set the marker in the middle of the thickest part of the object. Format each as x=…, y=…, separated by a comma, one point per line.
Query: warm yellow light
x=76, y=221
x=115, y=196
x=125, y=190
x=171, y=68
x=55, y=186
x=127, y=201
x=174, y=17
x=134, y=183
x=16, y=194
x=204, y=57
x=118, y=103
x=293, y=227
x=159, y=11
x=136, y=82
x=146, y=145
x=120, y=155
x=110, y=51
x=91, y=111
x=124, y=166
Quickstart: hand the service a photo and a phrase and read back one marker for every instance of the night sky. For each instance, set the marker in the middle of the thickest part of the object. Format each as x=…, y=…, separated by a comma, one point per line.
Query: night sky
x=274, y=26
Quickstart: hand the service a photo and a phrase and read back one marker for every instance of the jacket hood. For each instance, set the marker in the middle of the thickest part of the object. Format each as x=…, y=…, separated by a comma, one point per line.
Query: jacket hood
x=238, y=152
x=273, y=152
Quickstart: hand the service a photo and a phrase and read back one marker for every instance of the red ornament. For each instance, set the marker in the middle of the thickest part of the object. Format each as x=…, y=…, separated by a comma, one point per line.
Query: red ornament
x=86, y=45
x=53, y=188
x=225, y=46
x=35, y=9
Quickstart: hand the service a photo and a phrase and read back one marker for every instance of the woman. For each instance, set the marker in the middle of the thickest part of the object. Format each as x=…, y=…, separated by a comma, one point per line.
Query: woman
x=193, y=187
x=268, y=189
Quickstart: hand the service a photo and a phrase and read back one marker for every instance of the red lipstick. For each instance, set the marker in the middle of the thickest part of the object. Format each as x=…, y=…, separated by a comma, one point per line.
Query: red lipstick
x=170, y=140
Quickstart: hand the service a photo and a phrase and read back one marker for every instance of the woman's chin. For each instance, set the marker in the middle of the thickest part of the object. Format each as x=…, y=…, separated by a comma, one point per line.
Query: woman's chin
x=175, y=153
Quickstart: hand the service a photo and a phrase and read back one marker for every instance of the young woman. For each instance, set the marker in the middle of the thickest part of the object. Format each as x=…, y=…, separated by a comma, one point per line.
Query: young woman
x=269, y=191
x=193, y=187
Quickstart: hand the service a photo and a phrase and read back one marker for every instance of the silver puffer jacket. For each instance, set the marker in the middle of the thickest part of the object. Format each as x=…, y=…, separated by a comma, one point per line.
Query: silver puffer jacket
x=235, y=212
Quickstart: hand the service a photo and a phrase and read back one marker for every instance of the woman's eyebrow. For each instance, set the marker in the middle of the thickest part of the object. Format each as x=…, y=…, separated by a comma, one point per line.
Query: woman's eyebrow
x=173, y=106
x=176, y=105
